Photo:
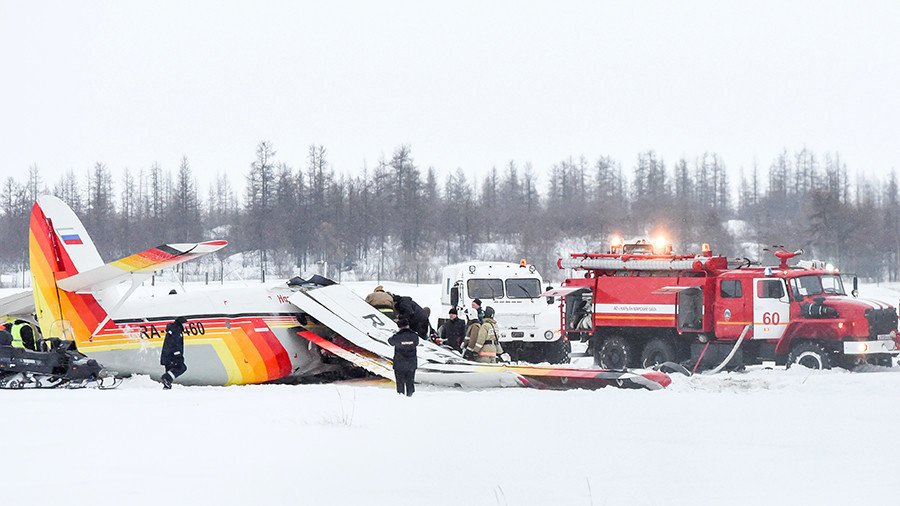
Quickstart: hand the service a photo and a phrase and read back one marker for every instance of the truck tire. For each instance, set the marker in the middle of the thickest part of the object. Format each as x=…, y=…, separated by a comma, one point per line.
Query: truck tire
x=881, y=360
x=618, y=353
x=810, y=354
x=657, y=351
x=558, y=351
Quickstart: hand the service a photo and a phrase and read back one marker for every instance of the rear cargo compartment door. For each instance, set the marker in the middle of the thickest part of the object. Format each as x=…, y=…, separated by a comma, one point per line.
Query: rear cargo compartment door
x=690, y=309
x=771, y=308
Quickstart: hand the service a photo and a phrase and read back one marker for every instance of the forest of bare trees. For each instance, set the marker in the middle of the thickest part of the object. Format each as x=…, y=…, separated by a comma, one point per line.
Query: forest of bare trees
x=386, y=221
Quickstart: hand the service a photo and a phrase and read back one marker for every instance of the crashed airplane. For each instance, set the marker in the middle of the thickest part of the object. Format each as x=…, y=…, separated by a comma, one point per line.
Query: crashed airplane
x=240, y=335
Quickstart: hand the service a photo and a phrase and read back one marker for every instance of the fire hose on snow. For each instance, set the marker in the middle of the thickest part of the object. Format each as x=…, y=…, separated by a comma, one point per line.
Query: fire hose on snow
x=734, y=350
x=674, y=367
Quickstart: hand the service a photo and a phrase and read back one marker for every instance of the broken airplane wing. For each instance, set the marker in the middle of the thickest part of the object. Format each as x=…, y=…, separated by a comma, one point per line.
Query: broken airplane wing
x=368, y=330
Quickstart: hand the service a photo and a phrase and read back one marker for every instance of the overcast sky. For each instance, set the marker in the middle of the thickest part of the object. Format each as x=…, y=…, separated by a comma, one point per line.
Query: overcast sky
x=466, y=84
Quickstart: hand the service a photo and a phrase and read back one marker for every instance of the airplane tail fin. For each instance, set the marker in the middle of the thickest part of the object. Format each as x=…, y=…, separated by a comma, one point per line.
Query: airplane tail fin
x=71, y=283
x=60, y=247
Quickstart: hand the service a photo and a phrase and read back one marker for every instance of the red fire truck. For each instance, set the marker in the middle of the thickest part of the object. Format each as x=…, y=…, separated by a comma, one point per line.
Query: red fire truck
x=640, y=305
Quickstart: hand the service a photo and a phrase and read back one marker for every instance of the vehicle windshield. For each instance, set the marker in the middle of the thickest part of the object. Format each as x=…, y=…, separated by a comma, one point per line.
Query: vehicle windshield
x=485, y=288
x=807, y=286
x=833, y=284
x=522, y=288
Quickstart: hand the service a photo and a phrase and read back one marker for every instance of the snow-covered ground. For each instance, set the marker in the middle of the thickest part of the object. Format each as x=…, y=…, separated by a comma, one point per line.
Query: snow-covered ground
x=787, y=437
x=765, y=436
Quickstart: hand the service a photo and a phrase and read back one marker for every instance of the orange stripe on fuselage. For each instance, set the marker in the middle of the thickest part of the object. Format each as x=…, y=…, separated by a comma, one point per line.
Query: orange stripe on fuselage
x=246, y=356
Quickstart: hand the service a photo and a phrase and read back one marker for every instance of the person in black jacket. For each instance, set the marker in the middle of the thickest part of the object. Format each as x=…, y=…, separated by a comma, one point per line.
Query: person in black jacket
x=413, y=313
x=453, y=331
x=479, y=313
x=172, y=357
x=405, y=363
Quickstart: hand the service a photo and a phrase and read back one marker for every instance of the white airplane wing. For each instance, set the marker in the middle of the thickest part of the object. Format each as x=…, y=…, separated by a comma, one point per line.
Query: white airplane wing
x=20, y=304
x=344, y=312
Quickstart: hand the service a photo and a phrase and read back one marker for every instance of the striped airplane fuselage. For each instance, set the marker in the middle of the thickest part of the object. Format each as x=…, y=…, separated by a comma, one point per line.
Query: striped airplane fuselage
x=233, y=336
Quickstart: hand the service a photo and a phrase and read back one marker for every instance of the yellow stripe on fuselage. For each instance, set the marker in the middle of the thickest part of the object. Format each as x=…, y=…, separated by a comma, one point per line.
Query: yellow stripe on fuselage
x=218, y=340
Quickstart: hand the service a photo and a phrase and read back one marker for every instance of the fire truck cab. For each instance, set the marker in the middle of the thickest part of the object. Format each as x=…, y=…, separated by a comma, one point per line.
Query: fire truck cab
x=643, y=308
x=528, y=329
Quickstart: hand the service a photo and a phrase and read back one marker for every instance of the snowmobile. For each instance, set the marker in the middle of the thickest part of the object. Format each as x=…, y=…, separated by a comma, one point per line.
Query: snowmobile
x=60, y=366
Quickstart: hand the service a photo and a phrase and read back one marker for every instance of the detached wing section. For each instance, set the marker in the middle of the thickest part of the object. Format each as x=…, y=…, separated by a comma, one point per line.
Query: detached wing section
x=368, y=330
x=344, y=312
x=141, y=264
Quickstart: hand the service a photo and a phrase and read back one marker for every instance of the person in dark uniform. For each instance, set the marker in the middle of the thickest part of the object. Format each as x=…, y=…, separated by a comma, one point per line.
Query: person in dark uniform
x=405, y=363
x=172, y=357
x=453, y=331
x=413, y=313
x=479, y=313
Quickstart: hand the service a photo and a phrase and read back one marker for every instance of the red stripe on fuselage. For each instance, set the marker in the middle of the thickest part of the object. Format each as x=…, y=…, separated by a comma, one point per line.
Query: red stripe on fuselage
x=268, y=347
x=283, y=361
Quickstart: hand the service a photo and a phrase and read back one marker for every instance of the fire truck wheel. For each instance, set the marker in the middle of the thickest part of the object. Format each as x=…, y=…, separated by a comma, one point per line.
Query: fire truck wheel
x=558, y=352
x=882, y=360
x=887, y=361
x=617, y=353
x=809, y=354
x=657, y=351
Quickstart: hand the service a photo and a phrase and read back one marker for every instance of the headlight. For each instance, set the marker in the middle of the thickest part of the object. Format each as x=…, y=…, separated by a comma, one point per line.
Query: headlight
x=548, y=335
x=856, y=347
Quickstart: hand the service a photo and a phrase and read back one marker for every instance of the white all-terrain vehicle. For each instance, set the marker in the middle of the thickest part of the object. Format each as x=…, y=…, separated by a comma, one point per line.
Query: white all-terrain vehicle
x=529, y=330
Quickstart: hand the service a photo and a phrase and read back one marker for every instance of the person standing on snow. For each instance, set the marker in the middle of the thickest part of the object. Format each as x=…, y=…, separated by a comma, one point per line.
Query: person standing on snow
x=405, y=342
x=172, y=356
x=453, y=331
x=472, y=329
x=486, y=346
x=476, y=305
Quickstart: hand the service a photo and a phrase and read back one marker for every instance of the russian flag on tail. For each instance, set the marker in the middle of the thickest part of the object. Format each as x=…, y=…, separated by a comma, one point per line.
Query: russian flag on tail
x=71, y=239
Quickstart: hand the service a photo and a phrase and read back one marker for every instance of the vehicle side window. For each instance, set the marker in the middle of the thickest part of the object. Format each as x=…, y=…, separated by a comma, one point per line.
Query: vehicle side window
x=731, y=289
x=770, y=289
